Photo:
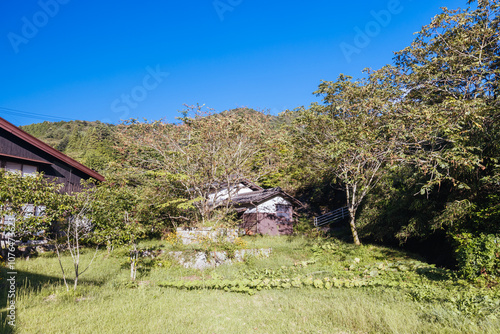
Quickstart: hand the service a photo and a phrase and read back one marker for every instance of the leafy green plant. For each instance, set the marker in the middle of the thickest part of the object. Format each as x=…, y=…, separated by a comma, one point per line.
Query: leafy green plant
x=478, y=255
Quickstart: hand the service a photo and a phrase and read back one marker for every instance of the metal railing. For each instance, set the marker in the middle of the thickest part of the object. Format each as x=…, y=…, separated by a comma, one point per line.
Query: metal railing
x=331, y=217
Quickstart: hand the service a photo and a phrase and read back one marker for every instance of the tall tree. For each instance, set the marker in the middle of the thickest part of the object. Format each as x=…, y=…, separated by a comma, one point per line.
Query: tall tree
x=450, y=111
x=201, y=154
x=452, y=79
x=352, y=136
x=451, y=76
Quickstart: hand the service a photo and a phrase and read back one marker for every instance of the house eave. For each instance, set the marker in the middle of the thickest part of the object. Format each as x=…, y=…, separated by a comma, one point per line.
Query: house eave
x=17, y=132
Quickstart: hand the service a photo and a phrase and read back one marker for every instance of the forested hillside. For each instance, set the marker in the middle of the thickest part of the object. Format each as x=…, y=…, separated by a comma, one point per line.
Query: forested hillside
x=91, y=143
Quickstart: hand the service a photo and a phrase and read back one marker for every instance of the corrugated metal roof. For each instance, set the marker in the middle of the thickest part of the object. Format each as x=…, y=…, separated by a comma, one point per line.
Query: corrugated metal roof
x=260, y=196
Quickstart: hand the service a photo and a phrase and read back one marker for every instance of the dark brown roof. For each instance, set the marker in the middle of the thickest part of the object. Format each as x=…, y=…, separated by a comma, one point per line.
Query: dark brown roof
x=9, y=127
x=244, y=181
x=257, y=197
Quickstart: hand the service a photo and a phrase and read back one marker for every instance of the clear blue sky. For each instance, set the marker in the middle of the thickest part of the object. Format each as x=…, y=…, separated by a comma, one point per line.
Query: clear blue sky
x=107, y=60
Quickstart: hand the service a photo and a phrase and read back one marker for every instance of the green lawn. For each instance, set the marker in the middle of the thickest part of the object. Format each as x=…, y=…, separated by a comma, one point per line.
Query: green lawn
x=396, y=293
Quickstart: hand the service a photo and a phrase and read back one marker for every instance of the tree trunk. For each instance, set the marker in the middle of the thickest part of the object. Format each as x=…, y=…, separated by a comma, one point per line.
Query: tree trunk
x=132, y=270
x=351, y=204
x=354, y=230
x=77, y=272
x=134, y=255
x=62, y=268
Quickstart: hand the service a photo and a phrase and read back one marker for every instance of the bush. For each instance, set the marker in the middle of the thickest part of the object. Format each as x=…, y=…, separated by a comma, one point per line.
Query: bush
x=303, y=226
x=478, y=255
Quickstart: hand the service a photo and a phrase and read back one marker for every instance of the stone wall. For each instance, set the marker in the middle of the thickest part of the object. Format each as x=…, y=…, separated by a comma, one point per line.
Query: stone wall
x=204, y=260
x=195, y=235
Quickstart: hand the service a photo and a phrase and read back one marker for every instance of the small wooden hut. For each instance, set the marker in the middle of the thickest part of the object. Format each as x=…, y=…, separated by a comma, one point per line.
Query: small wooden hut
x=267, y=211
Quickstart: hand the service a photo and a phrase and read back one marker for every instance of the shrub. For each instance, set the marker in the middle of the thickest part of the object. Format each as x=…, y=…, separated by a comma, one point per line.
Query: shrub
x=173, y=239
x=478, y=255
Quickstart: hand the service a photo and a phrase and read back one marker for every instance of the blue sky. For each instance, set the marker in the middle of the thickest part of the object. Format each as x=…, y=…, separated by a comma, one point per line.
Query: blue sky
x=89, y=60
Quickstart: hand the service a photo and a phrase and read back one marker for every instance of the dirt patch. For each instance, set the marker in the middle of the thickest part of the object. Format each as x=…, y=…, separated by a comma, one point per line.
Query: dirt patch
x=145, y=283
x=194, y=278
x=51, y=298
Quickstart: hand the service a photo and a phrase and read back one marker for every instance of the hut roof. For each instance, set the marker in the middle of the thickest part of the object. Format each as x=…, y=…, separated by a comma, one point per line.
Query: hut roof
x=257, y=197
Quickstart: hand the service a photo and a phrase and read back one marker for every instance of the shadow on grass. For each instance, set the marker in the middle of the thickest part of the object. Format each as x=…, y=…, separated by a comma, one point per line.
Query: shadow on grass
x=434, y=274
x=25, y=282
x=388, y=253
x=340, y=231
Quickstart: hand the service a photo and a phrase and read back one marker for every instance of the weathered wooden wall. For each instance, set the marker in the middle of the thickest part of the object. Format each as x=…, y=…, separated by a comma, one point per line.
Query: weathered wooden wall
x=15, y=150
x=266, y=223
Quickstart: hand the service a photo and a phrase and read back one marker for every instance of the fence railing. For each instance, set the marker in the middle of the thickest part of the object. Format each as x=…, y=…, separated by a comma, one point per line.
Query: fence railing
x=331, y=217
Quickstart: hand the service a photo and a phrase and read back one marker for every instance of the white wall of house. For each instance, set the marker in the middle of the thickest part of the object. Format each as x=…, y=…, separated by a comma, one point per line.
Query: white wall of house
x=269, y=206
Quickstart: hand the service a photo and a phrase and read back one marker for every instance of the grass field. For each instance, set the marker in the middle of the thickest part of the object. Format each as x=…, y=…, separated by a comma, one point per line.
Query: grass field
x=381, y=291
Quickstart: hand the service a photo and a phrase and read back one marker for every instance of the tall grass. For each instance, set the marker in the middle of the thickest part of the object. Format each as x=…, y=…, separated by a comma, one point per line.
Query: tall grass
x=105, y=303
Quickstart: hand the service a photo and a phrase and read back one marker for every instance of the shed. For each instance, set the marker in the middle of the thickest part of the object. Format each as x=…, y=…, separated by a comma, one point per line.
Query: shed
x=268, y=211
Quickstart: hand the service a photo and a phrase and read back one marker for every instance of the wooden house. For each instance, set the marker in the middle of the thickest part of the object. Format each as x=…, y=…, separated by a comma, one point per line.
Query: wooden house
x=267, y=211
x=262, y=211
x=21, y=152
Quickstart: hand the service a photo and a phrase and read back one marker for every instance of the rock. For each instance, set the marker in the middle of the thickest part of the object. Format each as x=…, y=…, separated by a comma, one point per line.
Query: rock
x=200, y=260
x=40, y=249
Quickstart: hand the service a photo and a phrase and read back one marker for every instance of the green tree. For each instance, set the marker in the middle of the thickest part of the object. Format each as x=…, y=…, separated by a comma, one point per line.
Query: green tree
x=112, y=211
x=199, y=155
x=31, y=202
x=352, y=136
x=450, y=111
x=451, y=76
x=39, y=211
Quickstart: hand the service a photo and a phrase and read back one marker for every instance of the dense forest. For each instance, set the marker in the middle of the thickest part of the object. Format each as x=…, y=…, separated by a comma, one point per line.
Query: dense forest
x=412, y=149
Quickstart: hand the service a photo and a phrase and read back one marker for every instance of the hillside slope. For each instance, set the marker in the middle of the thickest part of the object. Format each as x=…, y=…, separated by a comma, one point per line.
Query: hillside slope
x=91, y=143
